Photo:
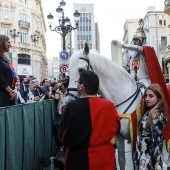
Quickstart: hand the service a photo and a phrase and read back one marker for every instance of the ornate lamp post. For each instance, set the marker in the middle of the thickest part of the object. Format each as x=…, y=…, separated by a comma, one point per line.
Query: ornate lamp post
x=14, y=33
x=35, y=38
x=63, y=28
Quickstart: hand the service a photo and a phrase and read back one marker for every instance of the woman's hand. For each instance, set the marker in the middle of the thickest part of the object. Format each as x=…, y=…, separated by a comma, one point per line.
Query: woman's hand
x=12, y=95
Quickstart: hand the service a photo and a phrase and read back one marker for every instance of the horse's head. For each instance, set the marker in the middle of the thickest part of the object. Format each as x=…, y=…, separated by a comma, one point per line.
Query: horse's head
x=78, y=63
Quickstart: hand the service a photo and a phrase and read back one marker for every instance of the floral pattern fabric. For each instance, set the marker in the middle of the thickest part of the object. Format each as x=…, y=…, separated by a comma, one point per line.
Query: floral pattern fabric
x=148, y=154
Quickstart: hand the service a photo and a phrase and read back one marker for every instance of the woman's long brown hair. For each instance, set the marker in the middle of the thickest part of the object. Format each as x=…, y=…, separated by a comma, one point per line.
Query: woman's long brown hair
x=3, y=40
x=159, y=107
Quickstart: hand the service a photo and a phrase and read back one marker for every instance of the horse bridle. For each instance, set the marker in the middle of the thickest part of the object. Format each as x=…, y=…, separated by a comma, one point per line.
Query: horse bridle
x=89, y=67
x=88, y=62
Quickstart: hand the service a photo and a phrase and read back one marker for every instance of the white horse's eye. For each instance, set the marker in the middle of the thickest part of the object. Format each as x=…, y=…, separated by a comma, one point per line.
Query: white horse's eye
x=81, y=69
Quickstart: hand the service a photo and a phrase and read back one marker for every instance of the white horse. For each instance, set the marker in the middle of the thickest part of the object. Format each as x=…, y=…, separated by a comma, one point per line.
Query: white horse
x=116, y=84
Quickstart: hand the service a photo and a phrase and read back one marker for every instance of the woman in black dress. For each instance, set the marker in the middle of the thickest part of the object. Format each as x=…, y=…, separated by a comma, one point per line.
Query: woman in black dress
x=7, y=74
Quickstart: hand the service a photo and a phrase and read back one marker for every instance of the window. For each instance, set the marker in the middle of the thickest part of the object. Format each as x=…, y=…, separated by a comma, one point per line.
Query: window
x=20, y=1
x=80, y=28
x=80, y=18
x=164, y=22
x=86, y=28
x=25, y=1
x=23, y=37
x=163, y=41
x=160, y=22
x=86, y=37
x=23, y=17
x=6, y=32
x=6, y=13
x=24, y=59
x=80, y=37
x=87, y=19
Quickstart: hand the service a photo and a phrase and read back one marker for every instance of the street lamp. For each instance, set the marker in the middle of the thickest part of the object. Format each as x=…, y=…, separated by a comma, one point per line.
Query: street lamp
x=63, y=28
x=35, y=38
x=14, y=33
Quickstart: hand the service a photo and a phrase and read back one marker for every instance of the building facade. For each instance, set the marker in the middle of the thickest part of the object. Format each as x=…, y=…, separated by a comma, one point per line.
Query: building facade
x=23, y=22
x=86, y=29
x=167, y=52
x=155, y=24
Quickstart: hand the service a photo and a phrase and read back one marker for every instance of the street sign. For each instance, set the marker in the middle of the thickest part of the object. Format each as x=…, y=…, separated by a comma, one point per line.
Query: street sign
x=64, y=55
x=63, y=68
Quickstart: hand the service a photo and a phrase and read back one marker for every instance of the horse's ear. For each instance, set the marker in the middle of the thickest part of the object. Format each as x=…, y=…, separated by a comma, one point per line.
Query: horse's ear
x=86, y=49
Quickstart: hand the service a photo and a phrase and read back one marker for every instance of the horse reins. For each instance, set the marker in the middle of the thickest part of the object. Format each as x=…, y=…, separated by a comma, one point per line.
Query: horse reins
x=136, y=94
x=72, y=95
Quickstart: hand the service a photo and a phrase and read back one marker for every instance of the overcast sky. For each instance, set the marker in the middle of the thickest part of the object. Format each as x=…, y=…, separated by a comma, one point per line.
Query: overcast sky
x=110, y=15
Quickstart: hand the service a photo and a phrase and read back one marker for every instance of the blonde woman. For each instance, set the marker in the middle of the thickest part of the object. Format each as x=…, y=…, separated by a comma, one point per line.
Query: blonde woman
x=148, y=154
x=7, y=74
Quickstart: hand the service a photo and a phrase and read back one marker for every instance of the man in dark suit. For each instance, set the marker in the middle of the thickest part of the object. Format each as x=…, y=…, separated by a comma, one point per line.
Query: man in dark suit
x=24, y=84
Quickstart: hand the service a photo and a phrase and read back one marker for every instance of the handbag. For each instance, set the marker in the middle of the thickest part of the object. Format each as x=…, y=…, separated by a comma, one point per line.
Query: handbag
x=58, y=162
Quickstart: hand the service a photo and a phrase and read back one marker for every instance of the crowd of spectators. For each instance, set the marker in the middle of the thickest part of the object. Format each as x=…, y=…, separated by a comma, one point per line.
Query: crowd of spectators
x=31, y=90
x=14, y=91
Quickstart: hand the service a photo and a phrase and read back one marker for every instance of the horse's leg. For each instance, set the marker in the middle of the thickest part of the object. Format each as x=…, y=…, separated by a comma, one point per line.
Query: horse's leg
x=166, y=156
x=120, y=143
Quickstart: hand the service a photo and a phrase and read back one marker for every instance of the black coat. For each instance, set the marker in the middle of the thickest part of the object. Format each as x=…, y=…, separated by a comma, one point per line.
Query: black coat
x=5, y=80
x=22, y=86
x=45, y=91
x=23, y=94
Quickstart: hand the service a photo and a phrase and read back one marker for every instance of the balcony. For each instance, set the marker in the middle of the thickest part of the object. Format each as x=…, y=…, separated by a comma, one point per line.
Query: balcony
x=24, y=24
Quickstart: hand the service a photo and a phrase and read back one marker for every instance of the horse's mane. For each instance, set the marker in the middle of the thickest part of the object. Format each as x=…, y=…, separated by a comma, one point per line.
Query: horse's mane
x=104, y=66
x=110, y=68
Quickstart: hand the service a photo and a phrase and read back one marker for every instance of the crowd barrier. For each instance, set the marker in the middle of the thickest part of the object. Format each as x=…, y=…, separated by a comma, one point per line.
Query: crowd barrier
x=26, y=139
